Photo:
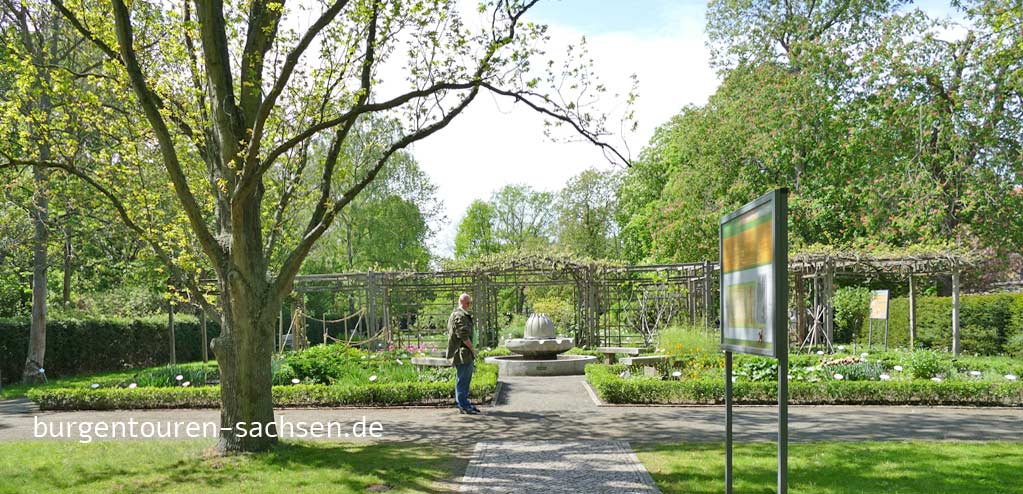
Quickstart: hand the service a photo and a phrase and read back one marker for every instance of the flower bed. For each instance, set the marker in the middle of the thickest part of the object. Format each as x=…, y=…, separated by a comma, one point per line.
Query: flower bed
x=332, y=375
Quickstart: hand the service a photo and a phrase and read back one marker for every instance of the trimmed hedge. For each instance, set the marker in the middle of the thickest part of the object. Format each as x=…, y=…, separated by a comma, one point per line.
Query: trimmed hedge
x=987, y=322
x=483, y=387
x=92, y=346
x=613, y=389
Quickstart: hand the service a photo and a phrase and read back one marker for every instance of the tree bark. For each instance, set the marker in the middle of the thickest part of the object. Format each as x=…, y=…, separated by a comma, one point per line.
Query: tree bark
x=243, y=352
x=37, y=335
x=68, y=252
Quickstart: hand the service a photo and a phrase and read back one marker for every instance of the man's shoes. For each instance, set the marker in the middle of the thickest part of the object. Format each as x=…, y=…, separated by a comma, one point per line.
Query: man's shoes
x=469, y=411
x=473, y=408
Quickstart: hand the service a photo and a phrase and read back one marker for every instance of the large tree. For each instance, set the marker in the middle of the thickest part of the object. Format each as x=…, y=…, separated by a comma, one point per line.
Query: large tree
x=231, y=91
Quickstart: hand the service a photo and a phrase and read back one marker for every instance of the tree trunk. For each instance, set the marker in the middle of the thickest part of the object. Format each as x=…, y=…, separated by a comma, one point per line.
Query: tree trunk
x=68, y=252
x=37, y=335
x=243, y=352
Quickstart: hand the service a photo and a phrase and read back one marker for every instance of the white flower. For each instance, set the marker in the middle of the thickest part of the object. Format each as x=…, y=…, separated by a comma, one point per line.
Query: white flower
x=179, y=377
x=898, y=368
x=864, y=355
x=841, y=347
x=839, y=377
x=734, y=378
x=885, y=377
x=1011, y=377
x=399, y=362
x=820, y=352
x=363, y=357
x=676, y=374
x=372, y=356
x=975, y=373
x=790, y=377
x=863, y=359
x=186, y=384
x=936, y=379
x=372, y=378
x=296, y=381
x=133, y=386
x=94, y=385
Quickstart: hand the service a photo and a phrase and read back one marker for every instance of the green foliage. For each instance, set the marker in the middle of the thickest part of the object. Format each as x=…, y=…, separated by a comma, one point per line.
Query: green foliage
x=586, y=215
x=475, y=237
x=91, y=345
x=407, y=392
x=612, y=387
x=852, y=307
x=987, y=322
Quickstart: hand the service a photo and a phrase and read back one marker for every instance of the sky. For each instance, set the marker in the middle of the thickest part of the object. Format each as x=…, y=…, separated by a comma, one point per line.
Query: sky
x=495, y=143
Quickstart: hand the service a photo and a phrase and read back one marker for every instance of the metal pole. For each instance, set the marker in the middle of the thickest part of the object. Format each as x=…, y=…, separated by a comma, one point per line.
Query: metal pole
x=728, y=422
x=706, y=295
x=783, y=419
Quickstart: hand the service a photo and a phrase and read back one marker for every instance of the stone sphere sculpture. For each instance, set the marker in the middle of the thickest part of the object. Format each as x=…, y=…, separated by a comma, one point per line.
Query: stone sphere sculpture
x=539, y=326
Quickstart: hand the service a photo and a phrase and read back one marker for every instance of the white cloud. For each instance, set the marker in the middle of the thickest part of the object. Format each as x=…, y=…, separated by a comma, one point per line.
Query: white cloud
x=496, y=142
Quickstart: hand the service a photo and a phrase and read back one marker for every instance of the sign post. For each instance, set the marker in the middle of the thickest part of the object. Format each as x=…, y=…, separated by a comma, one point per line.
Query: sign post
x=879, y=302
x=753, y=242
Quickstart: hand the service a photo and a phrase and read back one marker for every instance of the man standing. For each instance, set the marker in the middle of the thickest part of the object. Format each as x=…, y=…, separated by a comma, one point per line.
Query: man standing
x=461, y=352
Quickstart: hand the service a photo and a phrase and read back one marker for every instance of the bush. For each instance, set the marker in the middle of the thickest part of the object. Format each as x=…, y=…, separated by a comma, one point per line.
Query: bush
x=484, y=385
x=613, y=388
x=987, y=322
x=852, y=306
x=91, y=346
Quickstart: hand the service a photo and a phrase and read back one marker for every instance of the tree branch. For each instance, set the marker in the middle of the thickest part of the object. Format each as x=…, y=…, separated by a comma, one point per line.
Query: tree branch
x=122, y=211
x=170, y=158
x=291, y=61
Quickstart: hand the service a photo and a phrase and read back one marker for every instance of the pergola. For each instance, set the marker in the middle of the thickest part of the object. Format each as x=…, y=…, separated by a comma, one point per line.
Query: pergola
x=611, y=303
x=821, y=269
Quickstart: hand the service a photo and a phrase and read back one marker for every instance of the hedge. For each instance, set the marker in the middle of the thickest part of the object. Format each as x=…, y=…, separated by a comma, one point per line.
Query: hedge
x=484, y=385
x=92, y=346
x=614, y=389
x=987, y=323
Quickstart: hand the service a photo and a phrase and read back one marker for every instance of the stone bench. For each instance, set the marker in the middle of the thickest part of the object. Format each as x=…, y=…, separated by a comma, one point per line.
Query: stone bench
x=610, y=352
x=431, y=361
x=645, y=360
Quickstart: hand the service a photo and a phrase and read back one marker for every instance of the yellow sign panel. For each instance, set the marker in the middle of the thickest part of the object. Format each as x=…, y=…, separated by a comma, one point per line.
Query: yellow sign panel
x=879, y=304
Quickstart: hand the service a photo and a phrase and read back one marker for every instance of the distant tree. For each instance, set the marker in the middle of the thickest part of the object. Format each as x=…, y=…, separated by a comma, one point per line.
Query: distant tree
x=523, y=218
x=586, y=209
x=475, y=237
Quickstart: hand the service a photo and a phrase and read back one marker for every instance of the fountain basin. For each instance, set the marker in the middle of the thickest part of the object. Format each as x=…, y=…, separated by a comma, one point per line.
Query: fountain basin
x=563, y=365
x=539, y=349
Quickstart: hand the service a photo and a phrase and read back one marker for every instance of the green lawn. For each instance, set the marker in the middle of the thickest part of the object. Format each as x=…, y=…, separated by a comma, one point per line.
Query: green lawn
x=183, y=467
x=835, y=467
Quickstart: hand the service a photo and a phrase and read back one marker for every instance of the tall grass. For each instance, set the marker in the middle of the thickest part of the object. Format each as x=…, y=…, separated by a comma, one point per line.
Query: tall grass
x=688, y=339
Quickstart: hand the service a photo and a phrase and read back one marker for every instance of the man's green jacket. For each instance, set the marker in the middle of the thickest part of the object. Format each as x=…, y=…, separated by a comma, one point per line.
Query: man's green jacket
x=460, y=328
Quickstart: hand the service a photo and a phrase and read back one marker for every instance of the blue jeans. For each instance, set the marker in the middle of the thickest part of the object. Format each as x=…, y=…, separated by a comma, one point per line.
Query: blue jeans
x=463, y=375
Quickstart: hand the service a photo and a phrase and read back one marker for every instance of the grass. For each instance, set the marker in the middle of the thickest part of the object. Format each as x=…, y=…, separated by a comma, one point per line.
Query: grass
x=683, y=339
x=293, y=467
x=839, y=468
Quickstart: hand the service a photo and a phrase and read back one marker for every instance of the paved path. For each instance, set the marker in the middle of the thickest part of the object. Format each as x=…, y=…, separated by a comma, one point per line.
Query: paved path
x=556, y=467
x=559, y=409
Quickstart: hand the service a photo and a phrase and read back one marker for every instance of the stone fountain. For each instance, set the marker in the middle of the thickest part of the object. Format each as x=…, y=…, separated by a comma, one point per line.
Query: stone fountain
x=539, y=352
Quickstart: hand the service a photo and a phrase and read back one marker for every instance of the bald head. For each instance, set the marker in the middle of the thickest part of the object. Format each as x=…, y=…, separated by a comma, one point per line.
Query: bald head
x=464, y=301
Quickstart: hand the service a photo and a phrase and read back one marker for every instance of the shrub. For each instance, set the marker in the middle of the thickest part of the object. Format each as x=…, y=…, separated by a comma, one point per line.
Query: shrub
x=94, y=345
x=614, y=389
x=852, y=306
x=925, y=364
x=987, y=322
x=416, y=392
